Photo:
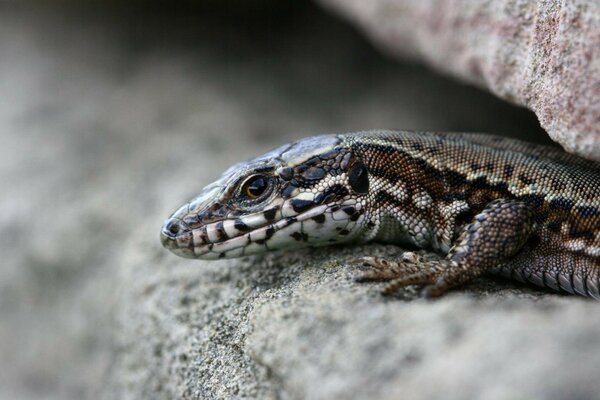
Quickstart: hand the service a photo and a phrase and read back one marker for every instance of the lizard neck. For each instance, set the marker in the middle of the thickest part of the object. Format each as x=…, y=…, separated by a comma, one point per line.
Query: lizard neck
x=412, y=197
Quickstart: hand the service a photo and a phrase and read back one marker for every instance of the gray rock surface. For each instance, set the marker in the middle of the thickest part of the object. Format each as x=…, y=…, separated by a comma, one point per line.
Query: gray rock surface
x=542, y=54
x=107, y=125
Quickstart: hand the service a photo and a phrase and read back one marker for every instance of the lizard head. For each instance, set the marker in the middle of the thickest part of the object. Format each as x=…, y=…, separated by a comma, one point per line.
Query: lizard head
x=309, y=193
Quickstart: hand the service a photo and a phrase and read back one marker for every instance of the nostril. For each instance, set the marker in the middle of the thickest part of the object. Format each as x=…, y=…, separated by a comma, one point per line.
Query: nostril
x=173, y=227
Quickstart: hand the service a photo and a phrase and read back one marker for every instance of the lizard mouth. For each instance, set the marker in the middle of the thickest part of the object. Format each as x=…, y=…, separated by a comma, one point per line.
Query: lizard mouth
x=255, y=233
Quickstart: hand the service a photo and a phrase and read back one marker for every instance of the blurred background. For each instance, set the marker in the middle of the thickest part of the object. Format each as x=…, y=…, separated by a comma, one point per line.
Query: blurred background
x=112, y=114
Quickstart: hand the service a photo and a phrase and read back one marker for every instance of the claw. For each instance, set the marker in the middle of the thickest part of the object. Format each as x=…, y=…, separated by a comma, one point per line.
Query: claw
x=364, y=261
x=376, y=263
x=376, y=276
x=419, y=278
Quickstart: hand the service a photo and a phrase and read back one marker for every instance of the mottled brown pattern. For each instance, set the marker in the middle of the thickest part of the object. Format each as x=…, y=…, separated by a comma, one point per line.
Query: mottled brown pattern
x=539, y=202
x=506, y=168
x=483, y=203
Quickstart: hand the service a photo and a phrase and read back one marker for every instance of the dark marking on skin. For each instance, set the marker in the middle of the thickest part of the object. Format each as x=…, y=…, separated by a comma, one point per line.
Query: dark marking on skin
x=417, y=146
x=300, y=236
x=332, y=193
x=383, y=197
x=508, y=171
x=382, y=173
x=421, y=164
x=320, y=198
x=587, y=211
x=221, y=235
x=533, y=199
x=260, y=241
x=286, y=174
x=554, y=226
x=349, y=210
x=240, y=225
x=270, y=213
x=561, y=203
x=534, y=240
x=435, y=173
x=262, y=170
x=204, y=236
x=575, y=232
x=452, y=196
x=269, y=233
x=335, y=207
x=501, y=186
x=378, y=148
x=301, y=205
x=221, y=255
x=455, y=178
x=541, y=217
x=525, y=179
x=290, y=220
x=191, y=220
x=479, y=183
x=370, y=224
x=432, y=150
x=319, y=218
x=355, y=217
x=344, y=232
x=288, y=190
x=474, y=166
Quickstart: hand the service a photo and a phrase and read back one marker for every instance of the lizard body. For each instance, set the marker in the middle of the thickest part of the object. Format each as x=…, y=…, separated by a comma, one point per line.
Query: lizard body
x=483, y=203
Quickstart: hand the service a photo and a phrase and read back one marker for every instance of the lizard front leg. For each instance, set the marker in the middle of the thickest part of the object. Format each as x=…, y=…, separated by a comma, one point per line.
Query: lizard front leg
x=493, y=237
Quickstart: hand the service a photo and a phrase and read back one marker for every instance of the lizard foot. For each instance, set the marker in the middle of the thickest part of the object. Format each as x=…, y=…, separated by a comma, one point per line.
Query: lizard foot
x=411, y=269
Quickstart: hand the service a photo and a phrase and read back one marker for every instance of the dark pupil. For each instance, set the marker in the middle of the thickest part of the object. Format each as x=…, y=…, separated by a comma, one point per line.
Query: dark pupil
x=256, y=186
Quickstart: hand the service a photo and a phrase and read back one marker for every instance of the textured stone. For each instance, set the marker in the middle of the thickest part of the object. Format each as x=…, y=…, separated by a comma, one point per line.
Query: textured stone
x=544, y=55
x=296, y=326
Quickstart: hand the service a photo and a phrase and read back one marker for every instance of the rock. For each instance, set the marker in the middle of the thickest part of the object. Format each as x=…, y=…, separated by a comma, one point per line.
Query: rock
x=544, y=55
x=295, y=325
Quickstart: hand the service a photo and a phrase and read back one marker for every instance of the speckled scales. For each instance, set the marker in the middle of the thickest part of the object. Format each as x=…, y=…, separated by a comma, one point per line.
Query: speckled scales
x=483, y=203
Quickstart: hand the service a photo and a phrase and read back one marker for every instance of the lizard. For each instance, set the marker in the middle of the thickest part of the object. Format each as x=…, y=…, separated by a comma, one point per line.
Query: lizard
x=473, y=203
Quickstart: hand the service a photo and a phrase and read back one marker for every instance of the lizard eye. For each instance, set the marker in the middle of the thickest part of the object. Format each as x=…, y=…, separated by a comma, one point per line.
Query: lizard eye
x=255, y=186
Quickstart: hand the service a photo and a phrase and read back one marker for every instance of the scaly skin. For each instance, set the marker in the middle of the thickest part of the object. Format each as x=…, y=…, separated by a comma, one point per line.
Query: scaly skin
x=483, y=203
